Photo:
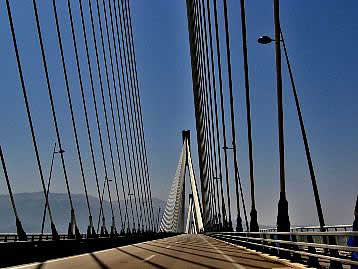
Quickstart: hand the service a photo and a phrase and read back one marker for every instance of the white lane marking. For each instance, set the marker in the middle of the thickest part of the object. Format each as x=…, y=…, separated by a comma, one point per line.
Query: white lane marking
x=66, y=258
x=24, y=266
x=226, y=257
x=149, y=258
x=168, y=246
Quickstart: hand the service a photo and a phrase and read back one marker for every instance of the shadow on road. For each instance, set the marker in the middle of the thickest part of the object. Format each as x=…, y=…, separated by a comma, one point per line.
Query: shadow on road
x=139, y=258
x=98, y=261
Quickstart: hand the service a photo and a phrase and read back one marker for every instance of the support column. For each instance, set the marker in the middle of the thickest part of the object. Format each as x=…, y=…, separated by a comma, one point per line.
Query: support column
x=283, y=221
x=198, y=112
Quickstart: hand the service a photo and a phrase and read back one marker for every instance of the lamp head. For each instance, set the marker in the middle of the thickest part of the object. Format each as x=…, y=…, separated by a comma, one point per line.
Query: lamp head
x=264, y=39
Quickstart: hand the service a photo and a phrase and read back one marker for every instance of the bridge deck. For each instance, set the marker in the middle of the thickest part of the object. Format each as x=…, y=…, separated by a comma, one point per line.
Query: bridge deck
x=183, y=251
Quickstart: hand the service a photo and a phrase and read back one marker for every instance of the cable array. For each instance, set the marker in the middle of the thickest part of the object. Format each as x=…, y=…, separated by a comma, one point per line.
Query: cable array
x=105, y=38
x=209, y=35
x=108, y=84
x=205, y=69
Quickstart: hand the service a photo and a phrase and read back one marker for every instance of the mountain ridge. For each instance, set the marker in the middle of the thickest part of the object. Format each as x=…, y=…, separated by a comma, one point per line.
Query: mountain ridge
x=30, y=207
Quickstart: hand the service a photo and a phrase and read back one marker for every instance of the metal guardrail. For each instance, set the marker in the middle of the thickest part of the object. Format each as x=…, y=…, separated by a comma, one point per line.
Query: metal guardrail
x=14, y=253
x=344, y=227
x=31, y=237
x=312, y=248
x=13, y=237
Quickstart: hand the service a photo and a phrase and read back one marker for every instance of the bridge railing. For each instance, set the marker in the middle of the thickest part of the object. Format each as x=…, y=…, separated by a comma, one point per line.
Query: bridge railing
x=344, y=227
x=13, y=237
x=315, y=249
x=31, y=237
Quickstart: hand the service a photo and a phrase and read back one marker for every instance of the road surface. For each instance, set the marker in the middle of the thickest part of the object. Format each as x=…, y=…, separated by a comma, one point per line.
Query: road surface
x=183, y=251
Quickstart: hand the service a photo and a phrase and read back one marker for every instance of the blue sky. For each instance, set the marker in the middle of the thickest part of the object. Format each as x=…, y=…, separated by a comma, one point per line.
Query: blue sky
x=321, y=40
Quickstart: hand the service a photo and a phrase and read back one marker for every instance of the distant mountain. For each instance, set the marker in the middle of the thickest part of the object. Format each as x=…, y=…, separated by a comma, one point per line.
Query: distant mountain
x=30, y=207
x=261, y=226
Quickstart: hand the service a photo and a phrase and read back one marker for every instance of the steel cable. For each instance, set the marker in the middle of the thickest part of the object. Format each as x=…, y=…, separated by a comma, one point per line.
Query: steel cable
x=113, y=229
x=211, y=115
x=29, y=117
x=54, y=118
x=135, y=112
x=224, y=218
x=207, y=86
x=305, y=139
x=110, y=102
x=196, y=78
x=47, y=191
x=202, y=104
x=85, y=105
x=143, y=145
x=20, y=231
x=117, y=105
x=232, y=116
x=222, y=108
x=69, y=99
x=125, y=112
x=96, y=111
x=254, y=227
x=131, y=122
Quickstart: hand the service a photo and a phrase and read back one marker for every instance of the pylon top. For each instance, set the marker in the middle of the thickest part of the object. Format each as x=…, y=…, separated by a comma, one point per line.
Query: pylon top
x=186, y=135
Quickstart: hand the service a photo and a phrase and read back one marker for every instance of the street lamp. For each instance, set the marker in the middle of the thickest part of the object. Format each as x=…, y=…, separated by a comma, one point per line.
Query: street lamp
x=158, y=222
x=60, y=151
x=222, y=208
x=283, y=222
x=266, y=40
x=101, y=214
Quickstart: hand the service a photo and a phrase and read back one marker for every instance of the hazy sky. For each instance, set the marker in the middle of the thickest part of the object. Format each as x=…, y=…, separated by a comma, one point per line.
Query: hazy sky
x=321, y=38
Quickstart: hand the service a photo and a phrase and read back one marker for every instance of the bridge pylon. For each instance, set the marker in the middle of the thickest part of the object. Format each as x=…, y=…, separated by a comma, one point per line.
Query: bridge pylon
x=173, y=216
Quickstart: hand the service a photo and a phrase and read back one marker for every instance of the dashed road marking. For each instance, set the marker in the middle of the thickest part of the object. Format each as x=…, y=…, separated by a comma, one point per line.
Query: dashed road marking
x=149, y=258
x=225, y=256
x=25, y=265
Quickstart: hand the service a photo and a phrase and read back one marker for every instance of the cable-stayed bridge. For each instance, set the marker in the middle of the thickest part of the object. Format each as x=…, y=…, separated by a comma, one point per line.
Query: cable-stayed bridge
x=173, y=219
x=101, y=70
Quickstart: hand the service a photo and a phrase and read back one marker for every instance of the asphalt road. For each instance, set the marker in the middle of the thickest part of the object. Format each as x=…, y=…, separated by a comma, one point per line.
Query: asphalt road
x=183, y=251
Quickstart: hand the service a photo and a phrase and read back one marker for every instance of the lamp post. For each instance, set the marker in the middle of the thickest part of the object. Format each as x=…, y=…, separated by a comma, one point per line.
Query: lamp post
x=355, y=223
x=266, y=40
x=283, y=221
x=104, y=231
x=159, y=219
x=332, y=240
x=61, y=151
x=221, y=224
